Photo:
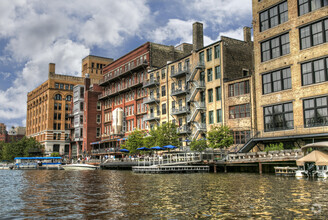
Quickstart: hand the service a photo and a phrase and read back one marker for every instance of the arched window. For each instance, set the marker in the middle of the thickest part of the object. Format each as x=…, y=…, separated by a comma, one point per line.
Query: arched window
x=58, y=97
x=69, y=98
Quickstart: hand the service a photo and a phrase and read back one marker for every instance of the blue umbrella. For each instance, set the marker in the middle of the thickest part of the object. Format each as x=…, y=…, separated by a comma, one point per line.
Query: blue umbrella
x=169, y=147
x=125, y=150
x=143, y=148
x=187, y=140
x=157, y=148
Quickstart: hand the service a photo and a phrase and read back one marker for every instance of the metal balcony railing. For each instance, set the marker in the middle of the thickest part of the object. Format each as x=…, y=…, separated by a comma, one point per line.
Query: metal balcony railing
x=180, y=72
x=116, y=90
x=180, y=110
x=184, y=129
x=151, y=117
x=151, y=83
x=180, y=91
x=151, y=100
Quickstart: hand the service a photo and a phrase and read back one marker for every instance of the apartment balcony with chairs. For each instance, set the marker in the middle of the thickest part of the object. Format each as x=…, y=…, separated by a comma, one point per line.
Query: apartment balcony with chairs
x=180, y=72
x=181, y=110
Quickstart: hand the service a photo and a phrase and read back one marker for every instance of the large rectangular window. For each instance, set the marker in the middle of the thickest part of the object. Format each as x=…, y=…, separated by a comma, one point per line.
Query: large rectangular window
x=278, y=117
x=274, y=16
x=314, y=71
x=275, y=47
x=163, y=91
x=209, y=54
x=217, y=72
x=239, y=88
x=276, y=81
x=316, y=112
x=239, y=111
x=306, y=6
x=209, y=75
x=210, y=95
x=241, y=137
x=164, y=109
x=217, y=51
x=210, y=117
x=218, y=115
x=314, y=34
x=218, y=93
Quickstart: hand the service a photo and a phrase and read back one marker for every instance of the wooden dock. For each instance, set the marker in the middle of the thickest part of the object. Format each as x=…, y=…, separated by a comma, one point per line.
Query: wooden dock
x=170, y=169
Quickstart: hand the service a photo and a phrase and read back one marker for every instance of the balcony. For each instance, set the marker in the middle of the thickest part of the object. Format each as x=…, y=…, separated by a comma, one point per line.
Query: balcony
x=179, y=91
x=151, y=117
x=108, y=78
x=180, y=72
x=179, y=111
x=184, y=129
x=151, y=100
x=151, y=83
x=115, y=91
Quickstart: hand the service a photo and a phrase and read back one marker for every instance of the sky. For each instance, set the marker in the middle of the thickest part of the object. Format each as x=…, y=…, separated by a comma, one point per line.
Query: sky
x=34, y=33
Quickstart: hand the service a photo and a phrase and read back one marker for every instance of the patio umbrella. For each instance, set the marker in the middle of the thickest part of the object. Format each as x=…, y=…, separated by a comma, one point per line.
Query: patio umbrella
x=125, y=150
x=143, y=148
x=170, y=147
x=157, y=148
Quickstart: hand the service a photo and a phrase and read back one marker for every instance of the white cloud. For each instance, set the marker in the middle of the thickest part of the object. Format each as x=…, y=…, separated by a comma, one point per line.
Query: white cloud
x=4, y=75
x=234, y=33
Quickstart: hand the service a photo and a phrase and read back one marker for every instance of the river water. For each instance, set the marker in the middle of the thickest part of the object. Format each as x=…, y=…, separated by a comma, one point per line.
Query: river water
x=107, y=194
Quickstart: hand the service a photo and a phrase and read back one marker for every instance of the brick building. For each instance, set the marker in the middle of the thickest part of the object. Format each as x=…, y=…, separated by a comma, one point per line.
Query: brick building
x=3, y=132
x=291, y=75
x=212, y=85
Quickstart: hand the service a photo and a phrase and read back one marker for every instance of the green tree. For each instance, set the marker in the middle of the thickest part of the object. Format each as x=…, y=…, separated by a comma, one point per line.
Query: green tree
x=219, y=137
x=198, y=145
x=149, y=141
x=134, y=141
x=54, y=154
x=274, y=147
x=165, y=134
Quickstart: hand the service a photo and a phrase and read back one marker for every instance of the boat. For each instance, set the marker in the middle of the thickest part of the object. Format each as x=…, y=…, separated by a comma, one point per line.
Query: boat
x=314, y=164
x=285, y=171
x=38, y=163
x=79, y=166
x=4, y=166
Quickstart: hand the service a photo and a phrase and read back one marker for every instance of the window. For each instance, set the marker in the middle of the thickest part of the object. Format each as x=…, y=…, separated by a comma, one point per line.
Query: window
x=201, y=57
x=275, y=47
x=71, y=87
x=306, y=6
x=66, y=86
x=98, y=132
x=55, y=116
x=56, y=85
x=218, y=93
x=172, y=70
x=210, y=117
x=68, y=98
x=66, y=117
x=58, y=97
x=276, y=81
x=66, y=107
x=210, y=95
x=55, y=106
x=209, y=54
x=59, y=116
x=98, y=119
x=61, y=86
x=59, y=106
x=239, y=111
x=209, y=75
x=163, y=73
x=217, y=51
x=218, y=115
x=314, y=34
x=314, y=71
x=55, y=126
x=81, y=106
x=315, y=112
x=217, y=72
x=98, y=106
x=58, y=126
x=274, y=16
x=278, y=117
x=164, y=109
x=241, y=137
x=239, y=88
x=163, y=91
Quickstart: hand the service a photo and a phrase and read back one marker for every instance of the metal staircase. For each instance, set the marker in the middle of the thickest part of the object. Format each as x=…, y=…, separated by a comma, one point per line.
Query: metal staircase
x=196, y=86
x=199, y=66
x=199, y=106
x=200, y=127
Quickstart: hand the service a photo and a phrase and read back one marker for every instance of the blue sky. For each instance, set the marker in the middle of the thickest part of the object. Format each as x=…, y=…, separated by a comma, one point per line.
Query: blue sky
x=34, y=33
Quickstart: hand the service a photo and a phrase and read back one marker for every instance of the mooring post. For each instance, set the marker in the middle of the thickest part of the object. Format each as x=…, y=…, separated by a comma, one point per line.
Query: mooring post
x=260, y=168
x=214, y=168
x=225, y=168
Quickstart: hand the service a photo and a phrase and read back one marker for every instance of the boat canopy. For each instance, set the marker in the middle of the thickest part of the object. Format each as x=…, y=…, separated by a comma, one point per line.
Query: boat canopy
x=319, y=157
x=36, y=158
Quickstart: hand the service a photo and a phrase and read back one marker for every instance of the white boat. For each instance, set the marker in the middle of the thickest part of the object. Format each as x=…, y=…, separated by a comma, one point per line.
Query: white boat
x=79, y=166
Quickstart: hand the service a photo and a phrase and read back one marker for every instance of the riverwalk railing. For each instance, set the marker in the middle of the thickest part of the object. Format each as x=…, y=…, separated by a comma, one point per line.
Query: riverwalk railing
x=282, y=155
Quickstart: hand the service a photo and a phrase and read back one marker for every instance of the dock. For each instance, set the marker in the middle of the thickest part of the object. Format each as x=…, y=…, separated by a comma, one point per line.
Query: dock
x=170, y=169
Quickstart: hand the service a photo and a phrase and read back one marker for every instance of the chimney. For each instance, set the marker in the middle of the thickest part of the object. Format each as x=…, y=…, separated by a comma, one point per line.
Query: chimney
x=87, y=82
x=197, y=36
x=52, y=68
x=247, y=34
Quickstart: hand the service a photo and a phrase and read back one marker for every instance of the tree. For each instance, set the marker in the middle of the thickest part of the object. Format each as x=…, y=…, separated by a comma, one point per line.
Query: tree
x=219, y=137
x=198, y=145
x=134, y=141
x=274, y=147
x=165, y=134
x=54, y=154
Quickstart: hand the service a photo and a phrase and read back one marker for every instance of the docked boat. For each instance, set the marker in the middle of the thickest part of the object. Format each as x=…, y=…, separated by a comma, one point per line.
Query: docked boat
x=285, y=171
x=4, y=166
x=314, y=164
x=79, y=166
x=38, y=163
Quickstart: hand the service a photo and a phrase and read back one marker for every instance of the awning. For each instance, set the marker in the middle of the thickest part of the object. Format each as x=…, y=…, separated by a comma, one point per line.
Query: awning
x=320, y=158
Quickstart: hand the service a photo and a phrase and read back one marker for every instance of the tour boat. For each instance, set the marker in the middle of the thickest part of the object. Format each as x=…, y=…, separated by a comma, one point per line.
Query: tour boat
x=38, y=162
x=79, y=166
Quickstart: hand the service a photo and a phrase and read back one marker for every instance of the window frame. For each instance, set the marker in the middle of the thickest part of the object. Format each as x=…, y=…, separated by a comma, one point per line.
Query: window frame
x=315, y=109
x=270, y=16
x=275, y=115
x=279, y=48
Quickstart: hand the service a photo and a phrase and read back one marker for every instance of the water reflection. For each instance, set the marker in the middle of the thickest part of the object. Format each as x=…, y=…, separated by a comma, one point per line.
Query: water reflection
x=124, y=195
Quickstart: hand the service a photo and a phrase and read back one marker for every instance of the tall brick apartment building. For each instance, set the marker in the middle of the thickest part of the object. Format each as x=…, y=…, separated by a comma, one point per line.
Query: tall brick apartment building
x=122, y=104
x=291, y=71
x=212, y=85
